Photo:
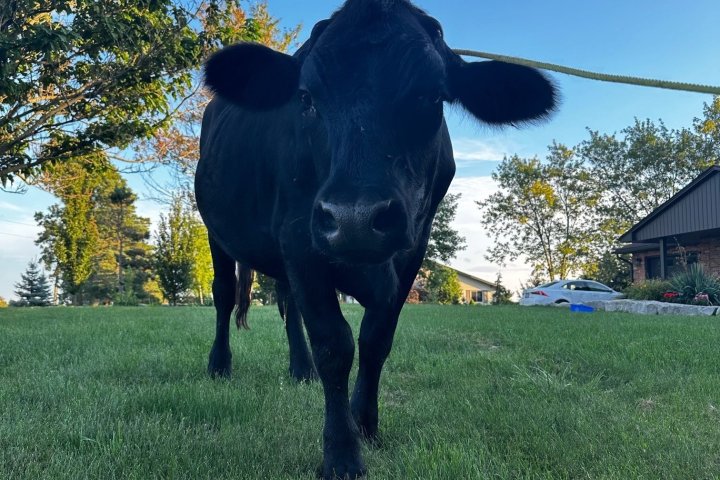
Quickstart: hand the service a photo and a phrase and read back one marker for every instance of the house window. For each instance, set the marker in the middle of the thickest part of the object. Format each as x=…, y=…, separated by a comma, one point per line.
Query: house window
x=675, y=263
x=477, y=296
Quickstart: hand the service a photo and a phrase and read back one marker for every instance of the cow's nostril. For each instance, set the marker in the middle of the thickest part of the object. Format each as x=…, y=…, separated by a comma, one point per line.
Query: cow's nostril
x=387, y=218
x=326, y=221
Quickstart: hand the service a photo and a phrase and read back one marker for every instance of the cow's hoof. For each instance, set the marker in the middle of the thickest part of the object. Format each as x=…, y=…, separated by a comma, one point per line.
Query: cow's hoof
x=342, y=459
x=222, y=372
x=370, y=435
x=342, y=470
x=367, y=422
x=307, y=374
x=220, y=363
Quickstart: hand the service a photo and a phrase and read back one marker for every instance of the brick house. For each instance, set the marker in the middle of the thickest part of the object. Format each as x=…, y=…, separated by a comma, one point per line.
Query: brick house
x=683, y=230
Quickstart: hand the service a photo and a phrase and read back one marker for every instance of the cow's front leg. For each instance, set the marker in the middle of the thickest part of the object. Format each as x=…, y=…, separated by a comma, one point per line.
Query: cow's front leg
x=333, y=350
x=376, y=337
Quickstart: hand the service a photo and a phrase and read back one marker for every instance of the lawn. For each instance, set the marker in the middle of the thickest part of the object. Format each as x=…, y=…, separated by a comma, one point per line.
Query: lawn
x=468, y=392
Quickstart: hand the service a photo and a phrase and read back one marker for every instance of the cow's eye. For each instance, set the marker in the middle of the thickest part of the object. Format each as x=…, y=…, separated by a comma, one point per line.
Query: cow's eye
x=306, y=99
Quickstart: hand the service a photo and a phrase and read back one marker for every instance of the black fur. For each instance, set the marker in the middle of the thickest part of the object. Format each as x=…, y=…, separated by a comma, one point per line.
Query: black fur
x=500, y=93
x=252, y=75
x=324, y=170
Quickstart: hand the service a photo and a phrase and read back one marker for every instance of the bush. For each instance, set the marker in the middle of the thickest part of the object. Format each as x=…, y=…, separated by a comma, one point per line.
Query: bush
x=126, y=299
x=3, y=303
x=648, y=290
x=695, y=286
x=443, y=285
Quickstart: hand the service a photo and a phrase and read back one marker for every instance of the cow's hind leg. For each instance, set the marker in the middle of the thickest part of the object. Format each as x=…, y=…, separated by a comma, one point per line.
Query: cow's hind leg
x=220, y=361
x=302, y=367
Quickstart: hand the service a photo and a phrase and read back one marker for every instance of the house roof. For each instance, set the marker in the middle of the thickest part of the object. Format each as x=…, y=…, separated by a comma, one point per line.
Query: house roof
x=694, y=208
x=468, y=276
x=637, y=248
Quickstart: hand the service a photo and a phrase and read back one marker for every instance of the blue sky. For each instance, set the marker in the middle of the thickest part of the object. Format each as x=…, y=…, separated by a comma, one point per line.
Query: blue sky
x=663, y=39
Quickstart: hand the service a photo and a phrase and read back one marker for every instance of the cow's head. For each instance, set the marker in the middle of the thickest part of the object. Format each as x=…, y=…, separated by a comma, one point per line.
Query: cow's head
x=369, y=88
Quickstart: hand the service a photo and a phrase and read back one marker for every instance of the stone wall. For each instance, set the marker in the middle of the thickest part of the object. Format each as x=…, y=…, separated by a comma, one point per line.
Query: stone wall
x=650, y=307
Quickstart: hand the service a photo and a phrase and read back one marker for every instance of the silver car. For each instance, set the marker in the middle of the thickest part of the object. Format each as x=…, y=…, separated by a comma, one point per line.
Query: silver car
x=568, y=291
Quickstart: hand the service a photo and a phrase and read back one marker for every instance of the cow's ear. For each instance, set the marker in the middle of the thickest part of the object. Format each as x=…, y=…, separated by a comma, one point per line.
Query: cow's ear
x=502, y=93
x=252, y=76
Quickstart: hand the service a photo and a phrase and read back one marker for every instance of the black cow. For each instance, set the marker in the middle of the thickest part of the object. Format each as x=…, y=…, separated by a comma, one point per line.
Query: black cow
x=324, y=170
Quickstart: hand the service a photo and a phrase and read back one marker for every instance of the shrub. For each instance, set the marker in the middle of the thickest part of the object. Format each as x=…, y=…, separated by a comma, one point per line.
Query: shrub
x=126, y=299
x=3, y=303
x=649, y=290
x=696, y=286
x=443, y=285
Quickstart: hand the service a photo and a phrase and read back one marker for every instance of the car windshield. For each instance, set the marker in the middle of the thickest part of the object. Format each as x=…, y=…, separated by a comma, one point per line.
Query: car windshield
x=545, y=285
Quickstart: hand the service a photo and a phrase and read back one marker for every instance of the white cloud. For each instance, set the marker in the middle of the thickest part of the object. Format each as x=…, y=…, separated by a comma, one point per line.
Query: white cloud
x=8, y=206
x=488, y=150
x=467, y=222
x=152, y=210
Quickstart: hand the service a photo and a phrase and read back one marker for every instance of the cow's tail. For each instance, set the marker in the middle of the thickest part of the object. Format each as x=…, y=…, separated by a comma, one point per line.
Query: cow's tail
x=243, y=293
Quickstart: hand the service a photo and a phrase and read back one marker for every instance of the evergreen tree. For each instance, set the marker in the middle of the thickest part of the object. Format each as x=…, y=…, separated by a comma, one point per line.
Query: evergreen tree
x=126, y=235
x=502, y=295
x=93, y=239
x=445, y=242
x=33, y=288
x=174, y=252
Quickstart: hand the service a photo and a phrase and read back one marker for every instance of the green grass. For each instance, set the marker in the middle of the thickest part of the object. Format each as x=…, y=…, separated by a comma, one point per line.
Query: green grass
x=496, y=392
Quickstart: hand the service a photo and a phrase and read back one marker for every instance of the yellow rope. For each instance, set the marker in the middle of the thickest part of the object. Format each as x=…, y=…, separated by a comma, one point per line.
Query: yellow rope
x=603, y=77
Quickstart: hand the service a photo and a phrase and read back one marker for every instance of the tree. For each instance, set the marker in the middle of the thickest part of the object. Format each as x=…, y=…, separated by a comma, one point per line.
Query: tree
x=3, y=303
x=544, y=212
x=69, y=239
x=445, y=242
x=566, y=214
x=121, y=198
x=443, y=285
x=33, y=289
x=610, y=270
x=648, y=164
x=707, y=133
x=502, y=295
x=126, y=252
x=80, y=76
x=176, y=144
x=174, y=252
x=202, y=271
x=264, y=289
x=83, y=236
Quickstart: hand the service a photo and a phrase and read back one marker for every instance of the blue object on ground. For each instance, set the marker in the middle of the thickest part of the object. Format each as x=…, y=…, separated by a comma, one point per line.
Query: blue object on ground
x=576, y=307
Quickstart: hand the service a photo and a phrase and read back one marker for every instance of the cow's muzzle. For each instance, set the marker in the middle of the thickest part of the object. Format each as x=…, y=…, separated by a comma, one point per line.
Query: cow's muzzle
x=360, y=232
